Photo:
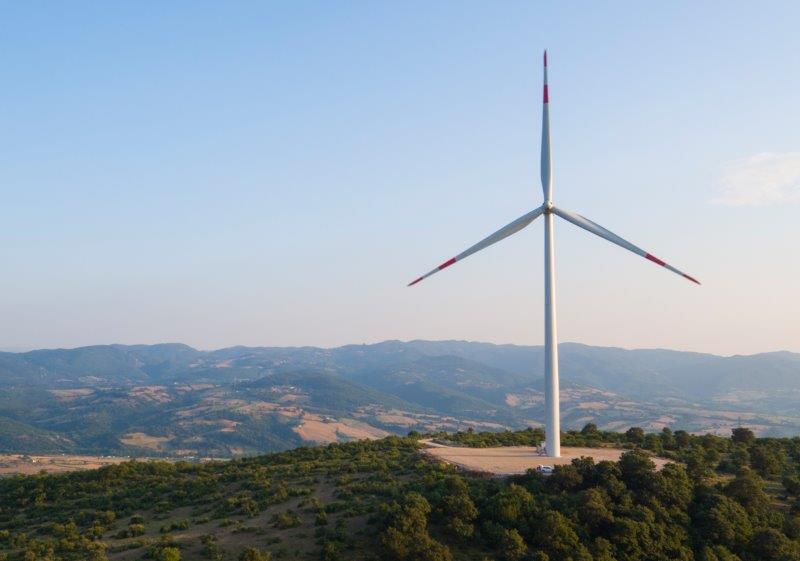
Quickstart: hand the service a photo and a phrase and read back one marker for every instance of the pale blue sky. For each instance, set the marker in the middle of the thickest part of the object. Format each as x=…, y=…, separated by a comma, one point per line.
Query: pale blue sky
x=275, y=173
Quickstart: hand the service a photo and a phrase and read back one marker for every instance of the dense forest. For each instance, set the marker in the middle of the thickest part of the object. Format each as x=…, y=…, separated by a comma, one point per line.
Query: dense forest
x=723, y=499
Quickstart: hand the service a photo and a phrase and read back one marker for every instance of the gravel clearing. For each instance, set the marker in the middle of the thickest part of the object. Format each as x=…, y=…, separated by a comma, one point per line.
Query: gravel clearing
x=511, y=460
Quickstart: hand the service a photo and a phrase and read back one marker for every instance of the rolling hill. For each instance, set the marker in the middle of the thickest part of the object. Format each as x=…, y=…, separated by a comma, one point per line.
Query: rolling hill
x=173, y=399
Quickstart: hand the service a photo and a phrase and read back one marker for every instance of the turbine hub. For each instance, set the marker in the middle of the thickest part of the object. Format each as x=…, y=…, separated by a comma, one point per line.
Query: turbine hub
x=548, y=207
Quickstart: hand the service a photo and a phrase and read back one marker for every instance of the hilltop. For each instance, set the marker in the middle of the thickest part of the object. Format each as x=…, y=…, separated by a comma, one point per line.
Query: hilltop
x=732, y=499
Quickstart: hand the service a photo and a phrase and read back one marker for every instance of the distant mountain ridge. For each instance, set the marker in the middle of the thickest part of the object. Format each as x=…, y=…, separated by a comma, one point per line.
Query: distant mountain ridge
x=609, y=368
x=172, y=398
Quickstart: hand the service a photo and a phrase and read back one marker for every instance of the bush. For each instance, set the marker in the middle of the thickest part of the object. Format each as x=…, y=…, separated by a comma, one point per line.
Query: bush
x=286, y=520
x=169, y=554
x=253, y=554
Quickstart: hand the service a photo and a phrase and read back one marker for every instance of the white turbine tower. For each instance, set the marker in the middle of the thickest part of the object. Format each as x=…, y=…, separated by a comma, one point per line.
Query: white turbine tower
x=553, y=422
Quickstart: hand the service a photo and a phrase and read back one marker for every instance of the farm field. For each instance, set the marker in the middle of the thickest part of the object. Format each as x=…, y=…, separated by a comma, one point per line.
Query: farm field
x=13, y=464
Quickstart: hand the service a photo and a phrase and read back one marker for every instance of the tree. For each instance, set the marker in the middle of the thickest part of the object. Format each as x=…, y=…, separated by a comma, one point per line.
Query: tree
x=791, y=527
x=742, y=435
x=792, y=485
x=672, y=487
x=767, y=460
x=406, y=535
x=635, y=435
x=716, y=553
x=667, y=438
x=96, y=552
x=210, y=547
x=652, y=442
x=712, y=457
x=593, y=509
x=458, y=508
x=589, y=429
x=608, y=476
x=747, y=489
x=565, y=478
x=682, y=438
x=737, y=460
x=637, y=470
x=586, y=468
x=697, y=465
x=602, y=550
x=330, y=551
x=719, y=520
x=512, y=546
x=431, y=550
x=770, y=545
x=511, y=505
x=713, y=442
x=556, y=536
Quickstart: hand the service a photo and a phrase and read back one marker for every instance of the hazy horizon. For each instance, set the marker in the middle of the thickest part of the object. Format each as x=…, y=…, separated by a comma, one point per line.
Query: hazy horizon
x=277, y=173
x=20, y=350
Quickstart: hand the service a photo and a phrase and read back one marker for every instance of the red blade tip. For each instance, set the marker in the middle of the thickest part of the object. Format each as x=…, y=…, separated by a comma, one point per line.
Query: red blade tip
x=412, y=283
x=694, y=280
x=545, y=57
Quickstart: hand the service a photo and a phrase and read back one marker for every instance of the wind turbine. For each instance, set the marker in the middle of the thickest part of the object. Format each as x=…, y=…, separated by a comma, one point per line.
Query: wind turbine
x=553, y=421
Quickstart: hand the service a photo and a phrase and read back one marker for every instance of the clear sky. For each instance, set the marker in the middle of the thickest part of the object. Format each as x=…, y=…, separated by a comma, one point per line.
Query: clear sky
x=274, y=173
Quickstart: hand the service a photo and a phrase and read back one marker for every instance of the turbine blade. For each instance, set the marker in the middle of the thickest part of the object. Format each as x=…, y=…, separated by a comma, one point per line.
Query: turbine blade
x=598, y=230
x=501, y=234
x=547, y=180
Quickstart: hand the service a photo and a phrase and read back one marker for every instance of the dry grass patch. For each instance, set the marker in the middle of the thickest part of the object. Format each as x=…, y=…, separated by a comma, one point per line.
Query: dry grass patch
x=71, y=395
x=143, y=440
x=317, y=429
